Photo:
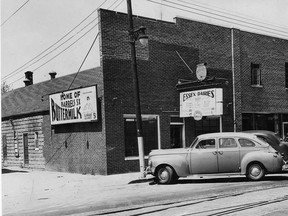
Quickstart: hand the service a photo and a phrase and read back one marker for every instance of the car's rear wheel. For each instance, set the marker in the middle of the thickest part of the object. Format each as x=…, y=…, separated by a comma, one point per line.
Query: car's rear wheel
x=255, y=172
x=165, y=175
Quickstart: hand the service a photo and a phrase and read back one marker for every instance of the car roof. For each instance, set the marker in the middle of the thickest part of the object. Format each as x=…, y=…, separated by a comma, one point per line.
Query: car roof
x=227, y=134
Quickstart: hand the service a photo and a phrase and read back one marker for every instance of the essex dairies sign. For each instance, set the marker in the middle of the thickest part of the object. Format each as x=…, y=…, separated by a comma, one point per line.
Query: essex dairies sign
x=206, y=102
x=74, y=106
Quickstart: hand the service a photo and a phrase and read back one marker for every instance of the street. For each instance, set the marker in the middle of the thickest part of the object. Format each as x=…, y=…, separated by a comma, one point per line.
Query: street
x=52, y=193
x=217, y=196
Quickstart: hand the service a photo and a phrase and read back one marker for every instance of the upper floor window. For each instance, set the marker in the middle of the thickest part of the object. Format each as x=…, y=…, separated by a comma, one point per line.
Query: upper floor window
x=255, y=74
x=286, y=75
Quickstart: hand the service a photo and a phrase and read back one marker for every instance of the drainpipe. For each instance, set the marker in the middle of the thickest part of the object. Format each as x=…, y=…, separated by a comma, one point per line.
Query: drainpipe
x=233, y=79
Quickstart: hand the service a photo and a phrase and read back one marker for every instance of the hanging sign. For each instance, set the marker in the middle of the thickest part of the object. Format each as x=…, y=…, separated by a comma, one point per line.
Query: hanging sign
x=206, y=102
x=74, y=106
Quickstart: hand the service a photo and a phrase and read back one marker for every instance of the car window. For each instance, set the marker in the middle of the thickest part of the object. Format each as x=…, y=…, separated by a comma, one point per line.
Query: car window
x=246, y=143
x=227, y=143
x=206, y=144
x=263, y=139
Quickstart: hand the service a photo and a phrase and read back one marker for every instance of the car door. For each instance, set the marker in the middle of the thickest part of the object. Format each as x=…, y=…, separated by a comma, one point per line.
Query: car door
x=246, y=147
x=228, y=155
x=203, y=157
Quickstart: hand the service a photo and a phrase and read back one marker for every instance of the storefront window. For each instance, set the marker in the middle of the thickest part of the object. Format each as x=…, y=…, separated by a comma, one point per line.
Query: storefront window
x=254, y=121
x=149, y=131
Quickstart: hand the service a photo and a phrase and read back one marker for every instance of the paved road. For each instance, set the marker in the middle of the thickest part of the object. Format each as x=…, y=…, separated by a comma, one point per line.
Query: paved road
x=48, y=193
x=216, y=196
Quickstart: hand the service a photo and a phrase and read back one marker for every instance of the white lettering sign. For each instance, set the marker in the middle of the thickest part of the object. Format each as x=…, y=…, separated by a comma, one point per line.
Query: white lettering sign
x=208, y=102
x=78, y=105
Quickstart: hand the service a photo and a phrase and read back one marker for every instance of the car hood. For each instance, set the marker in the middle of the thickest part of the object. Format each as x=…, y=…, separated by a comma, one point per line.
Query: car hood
x=273, y=140
x=168, y=151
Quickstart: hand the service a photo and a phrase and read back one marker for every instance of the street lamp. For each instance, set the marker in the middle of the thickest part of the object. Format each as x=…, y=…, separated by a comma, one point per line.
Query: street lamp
x=138, y=34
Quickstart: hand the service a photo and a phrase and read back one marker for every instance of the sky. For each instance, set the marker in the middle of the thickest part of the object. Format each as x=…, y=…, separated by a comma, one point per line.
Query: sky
x=55, y=35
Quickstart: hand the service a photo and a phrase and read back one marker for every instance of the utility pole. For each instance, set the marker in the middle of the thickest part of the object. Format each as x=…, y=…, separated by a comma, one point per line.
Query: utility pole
x=132, y=41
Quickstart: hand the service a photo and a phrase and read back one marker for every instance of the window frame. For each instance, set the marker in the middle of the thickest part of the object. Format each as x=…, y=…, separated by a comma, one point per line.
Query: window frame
x=36, y=140
x=127, y=116
x=206, y=139
x=255, y=145
x=221, y=146
x=256, y=82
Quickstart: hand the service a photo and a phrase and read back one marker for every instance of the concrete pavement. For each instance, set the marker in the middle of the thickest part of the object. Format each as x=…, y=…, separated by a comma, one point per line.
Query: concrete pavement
x=26, y=190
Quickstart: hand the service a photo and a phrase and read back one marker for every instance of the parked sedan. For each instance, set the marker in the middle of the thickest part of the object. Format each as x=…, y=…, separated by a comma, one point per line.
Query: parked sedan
x=231, y=152
x=274, y=140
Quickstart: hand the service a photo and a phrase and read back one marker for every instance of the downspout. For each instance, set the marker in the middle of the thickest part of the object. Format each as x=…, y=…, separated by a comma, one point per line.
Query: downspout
x=233, y=79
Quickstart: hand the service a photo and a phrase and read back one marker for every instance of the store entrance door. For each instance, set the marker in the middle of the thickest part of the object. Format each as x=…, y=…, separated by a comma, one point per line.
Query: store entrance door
x=177, y=133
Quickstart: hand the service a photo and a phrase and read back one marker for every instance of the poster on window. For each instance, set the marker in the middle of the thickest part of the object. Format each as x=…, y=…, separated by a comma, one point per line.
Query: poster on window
x=206, y=102
x=74, y=106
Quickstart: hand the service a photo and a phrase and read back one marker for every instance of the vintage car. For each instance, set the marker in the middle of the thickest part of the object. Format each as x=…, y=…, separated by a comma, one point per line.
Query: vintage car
x=274, y=140
x=229, y=152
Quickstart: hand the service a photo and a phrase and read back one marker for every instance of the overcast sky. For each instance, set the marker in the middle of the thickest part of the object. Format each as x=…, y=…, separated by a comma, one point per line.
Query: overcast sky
x=30, y=27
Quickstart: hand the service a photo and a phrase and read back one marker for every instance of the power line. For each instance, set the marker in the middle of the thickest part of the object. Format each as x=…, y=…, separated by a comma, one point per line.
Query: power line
x=83, y=61
x=58, y=45
x=14, y=12
x=225, y=17
x=213, y=17
x=73, y=42
x=21, y=67
x=220, y=10
x=61, y=51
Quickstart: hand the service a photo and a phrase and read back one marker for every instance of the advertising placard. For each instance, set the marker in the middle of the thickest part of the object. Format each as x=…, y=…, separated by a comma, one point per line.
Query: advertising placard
x=206, y=102
x=74, y=106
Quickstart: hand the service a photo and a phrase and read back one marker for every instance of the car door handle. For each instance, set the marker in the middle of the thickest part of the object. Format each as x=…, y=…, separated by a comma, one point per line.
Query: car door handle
x=215, y=152
x=220, y=152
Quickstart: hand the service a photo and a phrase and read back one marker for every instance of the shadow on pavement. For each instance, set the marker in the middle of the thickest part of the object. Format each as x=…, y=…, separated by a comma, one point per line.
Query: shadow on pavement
x=229, y=180
x=5, y=171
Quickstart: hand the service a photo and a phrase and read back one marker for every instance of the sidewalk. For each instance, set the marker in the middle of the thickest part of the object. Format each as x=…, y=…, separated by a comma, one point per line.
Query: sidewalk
x=26, y=189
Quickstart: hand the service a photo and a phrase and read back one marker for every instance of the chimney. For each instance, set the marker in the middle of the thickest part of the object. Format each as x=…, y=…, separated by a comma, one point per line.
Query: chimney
x=52, y=75
x=28, y=78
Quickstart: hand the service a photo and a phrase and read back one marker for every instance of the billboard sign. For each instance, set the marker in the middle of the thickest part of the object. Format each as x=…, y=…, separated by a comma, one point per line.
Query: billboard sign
x=74, y=106
x=206, y=102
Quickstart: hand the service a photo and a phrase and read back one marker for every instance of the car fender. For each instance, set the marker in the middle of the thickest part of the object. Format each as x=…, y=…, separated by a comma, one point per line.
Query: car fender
x=178, y=163
x=265, y=158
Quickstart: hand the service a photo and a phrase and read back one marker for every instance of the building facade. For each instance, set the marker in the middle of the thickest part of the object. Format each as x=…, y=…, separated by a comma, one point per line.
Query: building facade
x=251, y=70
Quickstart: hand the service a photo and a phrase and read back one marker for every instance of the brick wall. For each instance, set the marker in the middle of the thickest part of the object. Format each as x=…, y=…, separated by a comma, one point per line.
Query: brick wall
x=271, y=53
x=159, y=69
x=76, y=148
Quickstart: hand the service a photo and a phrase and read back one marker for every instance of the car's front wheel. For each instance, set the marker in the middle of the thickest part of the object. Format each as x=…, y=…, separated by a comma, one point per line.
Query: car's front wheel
x=164, y=175
x=255, y=172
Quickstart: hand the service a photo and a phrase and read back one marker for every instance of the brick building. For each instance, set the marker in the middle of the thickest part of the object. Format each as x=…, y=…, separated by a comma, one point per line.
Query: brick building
x=250, y=69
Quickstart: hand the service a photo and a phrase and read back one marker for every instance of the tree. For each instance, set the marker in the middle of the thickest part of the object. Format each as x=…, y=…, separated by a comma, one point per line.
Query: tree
x=5, y=88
